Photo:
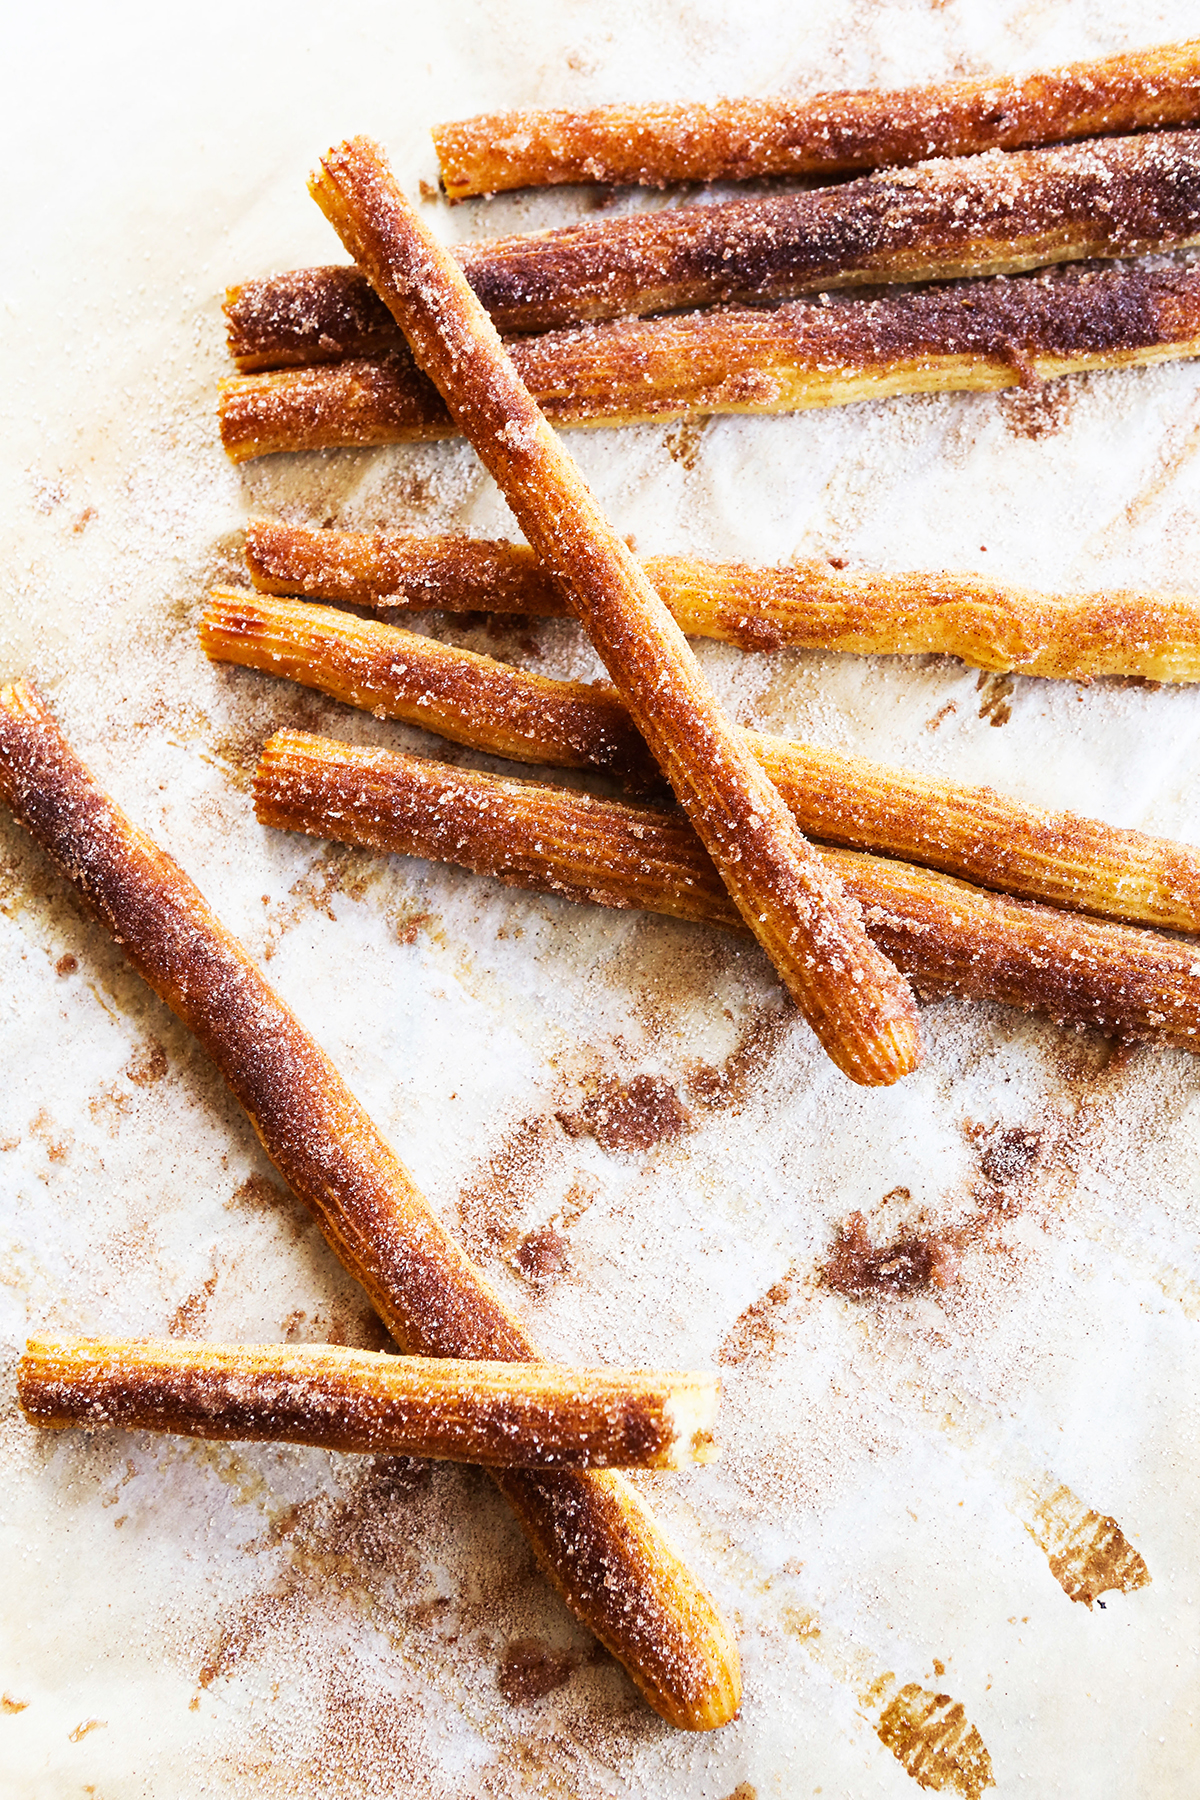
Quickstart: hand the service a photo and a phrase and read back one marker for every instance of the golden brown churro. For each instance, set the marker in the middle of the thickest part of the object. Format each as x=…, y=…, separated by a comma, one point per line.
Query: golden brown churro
x=972, y=832
x=397, y=675
x=981, y=215
x=949, y=937
x=808, y=604
x=858, y=1005
x=501, y=1414
x=970, y=335
x=738, y=139
x=591, y=1531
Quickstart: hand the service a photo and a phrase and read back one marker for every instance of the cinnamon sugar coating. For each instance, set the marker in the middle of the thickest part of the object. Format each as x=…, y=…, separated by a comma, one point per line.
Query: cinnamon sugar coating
x=807, y=604
x=949, y=937
x=998, y=213
x=618, y=1572
x=968, y=335
x=396, y=674
x=972, y=832
x=736, y=139
x=859, y=1007
x=500, y=1414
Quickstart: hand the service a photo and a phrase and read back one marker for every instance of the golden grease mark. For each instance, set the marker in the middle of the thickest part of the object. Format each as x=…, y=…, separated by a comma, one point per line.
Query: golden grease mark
x=9, y=1705
x=933, y=1741
x=682, y=442
x=1088, y=1552
x=81, y=1731
x=995, y=689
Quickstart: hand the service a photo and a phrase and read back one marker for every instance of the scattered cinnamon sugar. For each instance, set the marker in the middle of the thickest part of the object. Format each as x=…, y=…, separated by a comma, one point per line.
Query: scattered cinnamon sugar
x=529, y=1670
x=629, y=1115
x=859, y=1269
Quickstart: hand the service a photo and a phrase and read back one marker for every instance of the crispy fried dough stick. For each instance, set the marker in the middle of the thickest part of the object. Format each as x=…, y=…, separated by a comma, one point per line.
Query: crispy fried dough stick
x=979, y=215
x=948, y=937
x=500, y=1414
x=738, y=139
x=859, y=1007
x=972, y=832
x=810, y=604
x=972, y=335
x=397, y=675
x=591, y=1531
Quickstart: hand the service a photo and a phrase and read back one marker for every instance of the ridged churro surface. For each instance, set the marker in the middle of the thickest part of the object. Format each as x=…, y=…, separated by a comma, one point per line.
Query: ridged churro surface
x=948, y=937
x=398, y=675
x=973, y=832
x=739, y=138
x=984, y=215
x=968, y=335
x=500, y=1414
x=807, y=604
x=618, y=1573
x=860, y=1009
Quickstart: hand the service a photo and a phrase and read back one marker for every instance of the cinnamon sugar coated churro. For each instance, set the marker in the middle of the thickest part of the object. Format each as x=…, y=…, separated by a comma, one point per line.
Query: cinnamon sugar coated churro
x=501, y=1414
x=973, y=832
x=739, y=138
x=806, y=604
x=981, y=215
x=977, y=335
x=591, y=1531
x=858, y=1005
x=398, y=675
x=949, y=937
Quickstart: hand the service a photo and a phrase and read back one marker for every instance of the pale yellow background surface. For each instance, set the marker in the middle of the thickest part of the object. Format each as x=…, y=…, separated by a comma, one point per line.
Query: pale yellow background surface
x=185, y=1620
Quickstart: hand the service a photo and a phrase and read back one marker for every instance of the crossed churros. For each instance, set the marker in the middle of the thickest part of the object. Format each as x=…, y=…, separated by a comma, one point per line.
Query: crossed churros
x=591, y=1531
x=499, y=1414
x=858, y=1005
x=948, y=937
x=810, y=605
x=972, y=832
x=972, y=335
x=996, y=214
x=738, y=139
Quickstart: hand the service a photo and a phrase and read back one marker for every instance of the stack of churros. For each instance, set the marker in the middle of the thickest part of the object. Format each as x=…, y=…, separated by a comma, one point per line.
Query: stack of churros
x=855, y=879
x=694, y=309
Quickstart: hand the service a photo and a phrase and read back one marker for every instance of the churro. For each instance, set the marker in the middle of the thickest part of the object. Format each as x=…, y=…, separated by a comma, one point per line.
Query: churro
x=949, y=937
x=737, y=139
x=858, y=1005
x=973, y=832
x=996, y=214
x=974, y=335
x=592, y=1532
x=500, y=1414
x=810, y=605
